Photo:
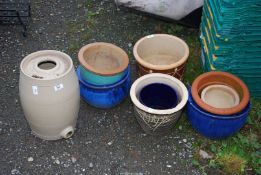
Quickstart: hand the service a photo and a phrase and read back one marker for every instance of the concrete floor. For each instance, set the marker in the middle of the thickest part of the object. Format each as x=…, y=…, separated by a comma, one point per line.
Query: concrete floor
x=106, y=141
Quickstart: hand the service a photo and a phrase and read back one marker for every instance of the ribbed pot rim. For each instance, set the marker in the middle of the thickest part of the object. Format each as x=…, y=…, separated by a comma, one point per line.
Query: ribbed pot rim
x=142, y=107
x=160, y=67
x=98, y=72
x=220, y=111
x=216, y=116
x=103, y=87
x=46, y=52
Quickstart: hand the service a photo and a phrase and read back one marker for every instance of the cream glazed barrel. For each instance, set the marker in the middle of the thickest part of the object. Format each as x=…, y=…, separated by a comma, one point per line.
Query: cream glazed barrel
x=49, y=94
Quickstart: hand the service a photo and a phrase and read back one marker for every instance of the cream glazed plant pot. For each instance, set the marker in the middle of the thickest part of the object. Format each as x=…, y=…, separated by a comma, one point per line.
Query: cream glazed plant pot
x=161, y=53
x=153, y=120
x=49, y=94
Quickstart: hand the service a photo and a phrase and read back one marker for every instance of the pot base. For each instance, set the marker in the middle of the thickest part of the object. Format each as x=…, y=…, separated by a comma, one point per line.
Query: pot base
x=154, y=124
x=67, y=135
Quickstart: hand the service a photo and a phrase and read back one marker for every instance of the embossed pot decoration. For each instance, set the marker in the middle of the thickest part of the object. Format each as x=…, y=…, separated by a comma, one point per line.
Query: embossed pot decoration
x=161, y=53
x=220, y=78
x=49, y=94
x=158, y=117
x=102, y=63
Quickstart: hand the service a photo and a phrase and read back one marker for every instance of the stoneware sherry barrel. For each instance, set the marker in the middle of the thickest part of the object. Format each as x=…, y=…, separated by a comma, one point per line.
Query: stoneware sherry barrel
x=49, y=94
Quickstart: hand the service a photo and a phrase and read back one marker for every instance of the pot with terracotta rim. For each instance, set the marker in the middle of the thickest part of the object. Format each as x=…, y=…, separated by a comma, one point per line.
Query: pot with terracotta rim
x=161, y=53
x=49, y=94
x=215, y=126
x=220, y=78
x=102, y=63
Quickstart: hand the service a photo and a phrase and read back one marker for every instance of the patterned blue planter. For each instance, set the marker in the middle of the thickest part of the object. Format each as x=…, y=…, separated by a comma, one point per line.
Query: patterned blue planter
x=105, y=96
x=215, y=126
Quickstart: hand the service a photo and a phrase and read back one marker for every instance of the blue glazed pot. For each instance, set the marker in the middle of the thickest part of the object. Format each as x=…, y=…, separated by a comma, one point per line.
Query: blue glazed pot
x=105, y=96
x=215, y=126
x=99, y=80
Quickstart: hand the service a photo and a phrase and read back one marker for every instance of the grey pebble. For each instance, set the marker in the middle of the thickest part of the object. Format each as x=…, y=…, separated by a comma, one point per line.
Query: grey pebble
x=15, y=171
x=57, y=161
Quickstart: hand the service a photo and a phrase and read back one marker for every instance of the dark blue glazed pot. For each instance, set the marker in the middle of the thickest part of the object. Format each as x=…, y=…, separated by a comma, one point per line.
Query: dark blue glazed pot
x=215, y=126
x=105, y=96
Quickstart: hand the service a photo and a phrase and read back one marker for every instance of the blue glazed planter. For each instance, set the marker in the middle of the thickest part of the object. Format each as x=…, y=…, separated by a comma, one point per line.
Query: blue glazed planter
x=215, y=126
x=99, y=80
x=105, y=96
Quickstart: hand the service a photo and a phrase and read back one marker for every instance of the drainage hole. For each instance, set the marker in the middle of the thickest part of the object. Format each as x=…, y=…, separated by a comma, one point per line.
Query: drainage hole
x=47, y=65
x=69, y=134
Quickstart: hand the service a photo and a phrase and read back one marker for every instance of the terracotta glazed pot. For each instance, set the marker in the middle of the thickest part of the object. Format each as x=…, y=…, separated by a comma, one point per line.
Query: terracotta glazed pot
x=161, y=53
x=220, y=78
x=49, y=93
x=102, y=63
x=158, y=117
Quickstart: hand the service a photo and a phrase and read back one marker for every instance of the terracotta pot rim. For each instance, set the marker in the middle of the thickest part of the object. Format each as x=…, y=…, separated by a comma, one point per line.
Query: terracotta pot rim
x=103, y=73
x=142, y=107
x=44, y=52
x=225, y=111
x=216, y=116
x=160, y=67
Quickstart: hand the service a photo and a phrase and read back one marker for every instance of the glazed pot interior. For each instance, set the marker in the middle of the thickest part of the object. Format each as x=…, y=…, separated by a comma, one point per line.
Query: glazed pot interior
x=158, y=96
x=104, y=58
x=161, y=50
x=220, y=96
x=220, y=80
x=158, y=93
